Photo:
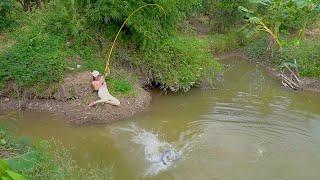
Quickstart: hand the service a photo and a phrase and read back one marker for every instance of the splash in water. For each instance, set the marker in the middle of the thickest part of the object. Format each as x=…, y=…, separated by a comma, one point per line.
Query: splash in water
x=159, y=154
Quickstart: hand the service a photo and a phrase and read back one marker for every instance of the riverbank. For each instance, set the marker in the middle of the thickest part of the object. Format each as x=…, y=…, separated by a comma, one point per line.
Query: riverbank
x=72, y=100
x=307, y=83
x=45, y=159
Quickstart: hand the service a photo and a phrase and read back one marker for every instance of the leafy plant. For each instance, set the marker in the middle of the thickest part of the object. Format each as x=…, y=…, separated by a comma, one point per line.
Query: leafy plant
x=220, y=43
x=180, y=63
x=272, y=16
x=224, y=15
x=5, y=20
x=7, y=173
x=307, y=56
x=44, y=160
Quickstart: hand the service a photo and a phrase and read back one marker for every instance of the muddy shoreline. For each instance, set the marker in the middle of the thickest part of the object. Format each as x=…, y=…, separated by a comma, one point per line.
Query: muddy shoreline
x=78, y=113
x=76, y=108
x=307, y=84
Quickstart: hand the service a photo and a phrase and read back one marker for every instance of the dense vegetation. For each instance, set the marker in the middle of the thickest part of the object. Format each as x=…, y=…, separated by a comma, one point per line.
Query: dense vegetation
x=43, y=40
x=59, y=34
x=43, y=160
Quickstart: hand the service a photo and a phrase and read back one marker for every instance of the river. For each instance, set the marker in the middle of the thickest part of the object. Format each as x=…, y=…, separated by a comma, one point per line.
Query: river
x=248, y=128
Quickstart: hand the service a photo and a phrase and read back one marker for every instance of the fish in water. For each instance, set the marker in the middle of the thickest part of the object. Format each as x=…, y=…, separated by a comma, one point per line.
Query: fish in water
x=169, y=156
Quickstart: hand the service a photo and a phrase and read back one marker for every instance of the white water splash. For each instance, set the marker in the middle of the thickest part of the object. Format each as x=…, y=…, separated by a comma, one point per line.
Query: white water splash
x=154, y=148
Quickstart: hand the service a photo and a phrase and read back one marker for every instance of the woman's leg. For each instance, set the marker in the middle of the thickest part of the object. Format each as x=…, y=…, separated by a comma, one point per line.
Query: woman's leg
x=112, y=100
x=98, y=101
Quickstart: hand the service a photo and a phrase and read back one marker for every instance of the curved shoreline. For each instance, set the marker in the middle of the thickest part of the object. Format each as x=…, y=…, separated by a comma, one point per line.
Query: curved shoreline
x=76, y=109
x=307, y=84
x=78, y=113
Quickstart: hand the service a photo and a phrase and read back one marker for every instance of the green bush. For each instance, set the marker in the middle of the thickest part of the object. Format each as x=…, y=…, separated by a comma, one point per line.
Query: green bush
x=51, y=160
x=40, y=54
x=145, y=26
x=307, y=55
x=6, y=6
x=181, y=62
x=44, y=160
x=224, y=15
x=170, y=61
x=5, y=20
x=35, y=59
x=119, y=83
x=220, y=43
x=54, y=36
x=256, y=50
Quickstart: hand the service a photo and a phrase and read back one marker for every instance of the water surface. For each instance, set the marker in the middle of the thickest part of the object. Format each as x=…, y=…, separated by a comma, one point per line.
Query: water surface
x=248, y=128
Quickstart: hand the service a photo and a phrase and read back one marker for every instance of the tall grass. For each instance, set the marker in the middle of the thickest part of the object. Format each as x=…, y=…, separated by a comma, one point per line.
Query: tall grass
x=221, y=43
x=46, y=160
x=307, y=55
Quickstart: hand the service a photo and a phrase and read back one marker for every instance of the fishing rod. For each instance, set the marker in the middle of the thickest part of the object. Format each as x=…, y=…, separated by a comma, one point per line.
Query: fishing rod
x=107, y=69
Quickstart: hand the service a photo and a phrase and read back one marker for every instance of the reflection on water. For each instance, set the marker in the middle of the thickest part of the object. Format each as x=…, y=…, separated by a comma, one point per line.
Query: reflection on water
x=249, y=128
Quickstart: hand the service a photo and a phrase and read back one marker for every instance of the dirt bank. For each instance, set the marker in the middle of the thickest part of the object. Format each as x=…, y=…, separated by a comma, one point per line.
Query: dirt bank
x=73, y=98
x=307, y=84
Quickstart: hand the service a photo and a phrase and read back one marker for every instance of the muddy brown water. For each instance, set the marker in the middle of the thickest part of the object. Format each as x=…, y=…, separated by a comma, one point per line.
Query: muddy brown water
x=248, y=128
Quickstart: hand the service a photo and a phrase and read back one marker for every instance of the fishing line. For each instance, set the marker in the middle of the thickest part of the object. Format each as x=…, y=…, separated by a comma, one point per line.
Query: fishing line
x=107, y=69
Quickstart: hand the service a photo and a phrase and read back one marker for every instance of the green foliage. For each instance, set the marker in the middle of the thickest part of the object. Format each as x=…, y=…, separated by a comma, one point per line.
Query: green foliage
x=34, y=59
x=307, y=55
x=278, y=17
x=7, y=173
x=144, y=27
x=256, y=50
x=44, y=160
x=224, y=15
x=180, y=63
x=118, y=84
x=172, y=62
x=5, y=7
x=39, y=57
x=220, y=43
x=53, y=161
x=29, y=5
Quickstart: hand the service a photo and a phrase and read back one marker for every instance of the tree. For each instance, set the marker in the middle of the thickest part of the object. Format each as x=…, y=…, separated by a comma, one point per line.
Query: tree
x=274, y=16
x=224, y=15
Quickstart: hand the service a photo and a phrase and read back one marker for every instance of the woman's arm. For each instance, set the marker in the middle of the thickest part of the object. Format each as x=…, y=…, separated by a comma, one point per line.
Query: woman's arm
x=102, y=80
x=96, y=85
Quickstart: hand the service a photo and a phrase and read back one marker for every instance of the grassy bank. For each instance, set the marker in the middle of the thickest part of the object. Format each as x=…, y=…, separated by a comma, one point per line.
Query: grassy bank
x=42, y=160
x=306, y=54
x=61, y=35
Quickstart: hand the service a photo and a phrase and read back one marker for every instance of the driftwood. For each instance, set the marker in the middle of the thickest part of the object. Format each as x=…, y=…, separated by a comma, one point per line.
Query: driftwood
x=290, y=78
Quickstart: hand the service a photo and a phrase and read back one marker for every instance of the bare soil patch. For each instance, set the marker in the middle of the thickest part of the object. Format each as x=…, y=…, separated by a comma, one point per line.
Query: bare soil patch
x=73, y=98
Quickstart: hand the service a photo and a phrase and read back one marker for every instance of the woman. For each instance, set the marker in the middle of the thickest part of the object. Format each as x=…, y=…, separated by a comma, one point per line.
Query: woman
x=99, y=84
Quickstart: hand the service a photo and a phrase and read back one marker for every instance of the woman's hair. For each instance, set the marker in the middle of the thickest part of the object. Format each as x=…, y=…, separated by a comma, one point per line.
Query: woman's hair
x=95, y=78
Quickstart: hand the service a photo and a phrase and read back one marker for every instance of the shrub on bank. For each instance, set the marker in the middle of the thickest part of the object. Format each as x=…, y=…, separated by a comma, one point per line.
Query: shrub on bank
x=48, y=41
x=181, y=62
x=220, y=43
x=44, y=160
x=307, y=55
x=6, y=6
x=257, y=49
x=51, y=39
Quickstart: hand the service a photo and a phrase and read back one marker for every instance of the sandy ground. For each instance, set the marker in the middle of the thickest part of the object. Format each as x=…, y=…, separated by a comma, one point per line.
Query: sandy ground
x=74, y=103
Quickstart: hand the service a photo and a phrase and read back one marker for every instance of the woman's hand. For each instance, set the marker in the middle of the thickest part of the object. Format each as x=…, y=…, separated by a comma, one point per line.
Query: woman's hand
x=96, y=85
